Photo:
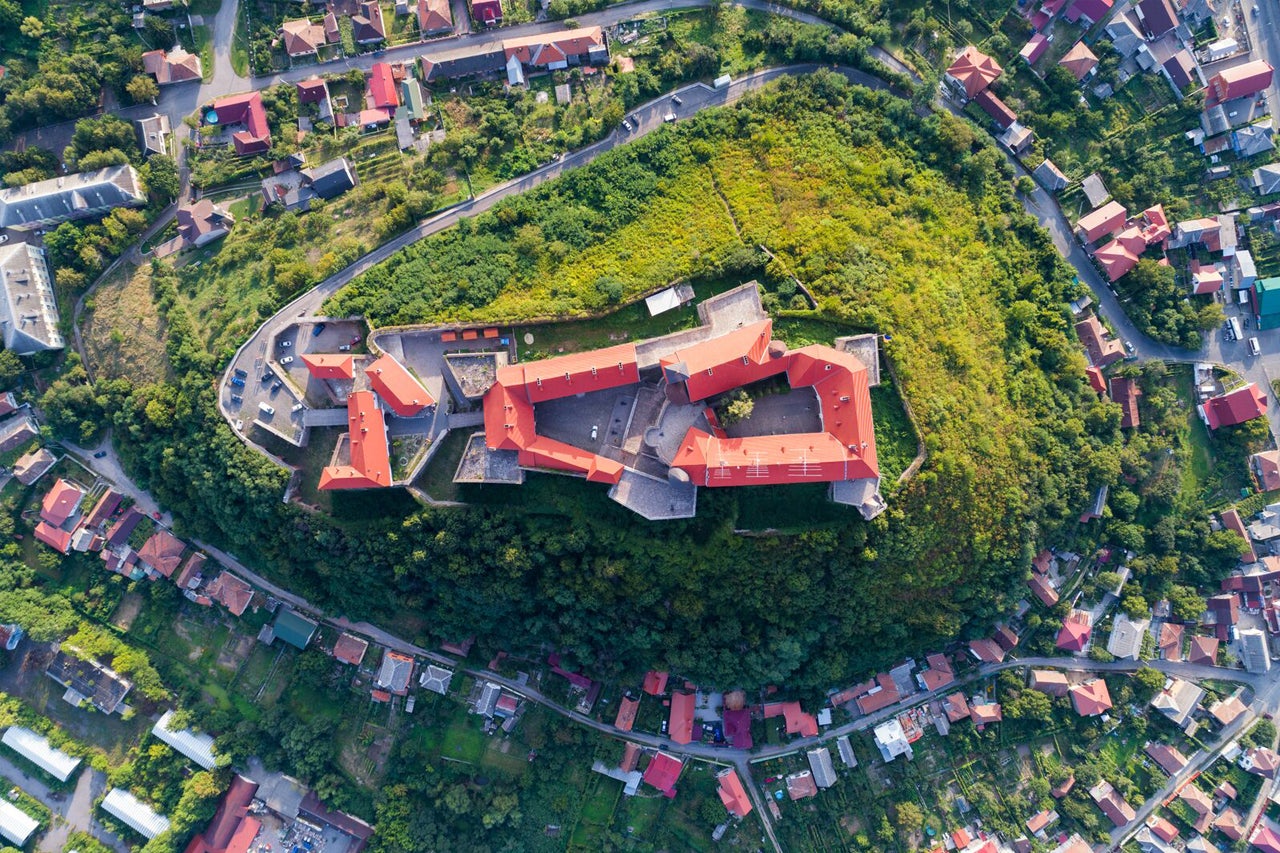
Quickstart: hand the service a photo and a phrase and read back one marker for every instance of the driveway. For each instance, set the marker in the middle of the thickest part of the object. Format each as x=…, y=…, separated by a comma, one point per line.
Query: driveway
x=73, y=813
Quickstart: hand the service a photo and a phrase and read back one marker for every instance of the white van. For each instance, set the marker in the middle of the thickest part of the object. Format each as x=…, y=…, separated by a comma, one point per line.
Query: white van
x=266, y=410
x=1254, y=349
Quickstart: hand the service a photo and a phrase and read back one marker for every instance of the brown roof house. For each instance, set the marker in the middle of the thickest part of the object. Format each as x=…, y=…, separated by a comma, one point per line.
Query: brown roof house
x=302, y=37
x=175, y=66
x=32, y=466
x=162, y=553
x=203, y=222
x=1203, y=651
x=973, y=71
x=231, y=592
x=1049, y=681
x=1111, y=803
x=1170, y=644
x=1266, y=466
x=1169, y=758
x=367, y=26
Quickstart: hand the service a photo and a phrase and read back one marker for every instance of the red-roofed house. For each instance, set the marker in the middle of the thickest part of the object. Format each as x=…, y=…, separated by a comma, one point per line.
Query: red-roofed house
x=1089, y=11
x=655, y=682
x=1096, y=380
x=302, y=37
x=487, y=12
x=737, y=728
x=984, y=714
x=1229, y=824
x=232, y=829
x=1203, y=651
x=1097, y=224
x=162, y=552
x=1205, y=278
x=249, y=111
x=986, y=650
x=662, y=773
x=313, y=90
x=1044, y=591
x=732, y=794
x=1074, y=635
x=1079, y=60
x=999, y=111
x=680, y=727
x=55, y=537
x=329, y=365
x=938, y=675
x=1101, y=348
x=1235, y=407
x=797, y=721
x=1126, y=392
x=61, y=502
x=1266, y=838
x=1034, y=48
x=1170, y=759
x=369, y=464
x=558, y=50
x=381, y=92
x=1111, y=803
x=175, y=66
x=1239, y=82
x=397, y=387
x=626, y=718
x=1266, y=465
x=1091, y=698
x=231, y=592
x=434, y=17
x=349, y=649
x=1261, y=761
x=1232, y=521
x=1170, y=644
x=1162, y=829
x=956, y=707
x=880, y=693
x=973, y=71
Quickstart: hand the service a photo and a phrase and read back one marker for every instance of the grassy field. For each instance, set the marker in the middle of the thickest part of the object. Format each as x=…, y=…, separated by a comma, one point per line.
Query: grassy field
x=123, y=332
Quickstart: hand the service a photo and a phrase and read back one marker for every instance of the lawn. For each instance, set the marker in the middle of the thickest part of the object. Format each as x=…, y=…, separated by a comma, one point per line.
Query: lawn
x=123, y=333
x=436, y=479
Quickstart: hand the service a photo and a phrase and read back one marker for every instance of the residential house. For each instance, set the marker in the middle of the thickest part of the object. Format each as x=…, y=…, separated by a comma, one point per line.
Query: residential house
x=1091, y=698
x=1050, y=176
x=655, y=682
x=1039, y=822
x=1079, y=60
x=1235, y=407
x=1171, y=760
x=824, y=772
x=796, y=721
x=487, y=12
x=1088, y=12
x=1111, y=803
x=680, y=722
x=1095, y=191
x=249, y=111
x=1162, y=829
x=558, y=50
x=1206, y=279
x=89, y=681
x=1000, y=113
x=202, y=222
x=626, y=718
x=938, y=675
x=153, y=134
x=1101, y=348
x=1034, y=48
x=1228, y=822
x=434, y=17
x=1074, y=635
x=892, y=740
x=381, y=91
x=436, y=679
x=1261, y=761
x=956, y=707
x=293, y=628
x=367, y=26
x=1125, y=641
x=1157, y=17
x=972, y=71
x=1125, y=36
x=1266, y=179
x=732, y=794
x=174, y=66
x=1017, y=138
x=1266, y=467
x=1240, y=81
x=1226, y=711
x=60, y=515
x=1178, y=701
x=32, y=466
x=396, y=673
x=1231, y=521
x=984, y=713
x=28, y=312
x=134, y=813
x=1253, y=139
x=1170, y=642
x=1043, y=590
x=331, y=178
x=1049, y=681
x=1180, y=70
x=1125, y=392
x=78, y=196
x=1266, y=838
x=303, y=37
x=232, y=827
x=1266, y=301
x=1099, y=223
x=986, y=650
x=1254, y=650
x=800, y=786
x=162, y=553
x=662, y=773
x=231, y=592
x=350, y=649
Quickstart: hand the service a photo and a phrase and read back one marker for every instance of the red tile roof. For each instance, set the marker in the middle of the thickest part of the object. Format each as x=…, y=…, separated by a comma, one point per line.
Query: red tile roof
x=54, y=537
x=1266, y=839
x=725, y=362
x=233, y=811
x=1268, y=467
x=1103, y=221
x=662, y=772
x=60, y=502
x=797, y=721
x=1162, y=829
x=162, y=552
x=382, y=88
x=302, y=37
x=1239, y=82
x=1236, y=407
x=1098, y=343
x=626, y=718
x=434, y=16
x=881, y=693
x=732, y=794
x=312, y=90
x=486, y=11
x=974, y=70
x=1170, y=759
x=1091, y=698
x=1075, y=631
x=542, y=50
x=986, y=650
x=247, y=110
x=350, y=649
x=1094, y=10
x=370, y=465
x=231, y=592
x=1034, y=48
x=996, y=108
x=655, y=682
x=1126, y=392
x=680, y=727
x=938, y=675
x=397, y=387
x=576, y=373
x=1044, y=591
x=1079, y=60
x=630, y=757
x=1203, y=650
x=1171, y=641
x=985, y=713
x=329, y=365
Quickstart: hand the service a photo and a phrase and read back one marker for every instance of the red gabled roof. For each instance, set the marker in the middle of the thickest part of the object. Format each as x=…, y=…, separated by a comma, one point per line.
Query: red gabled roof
x=1079, y=60
x=1044, y=591
x=1265, y=839
x=1117, y=258
x=680, y=728
x=60, y=502
x=996, y=108
x=737, y=728
x=1126, y=392
x=54, y=537
x=349, y=649
x=329, y=365
x=231, y=814
x=1239, y=82
x=974, y=70
x=576, y=373
x=732, y=794
x=248, y=110
x=1075, y=631
x=626, y=718
x=1235, y=407
x=545, y=452
x=488, y=11
x=370, y=465
x=655, y=682
x=397, y=387
x=553, y=47
x=1101, y=222
x=662, y=773
x=1096, y=380
x=1034, y=48
x=797, y=721
x=162, y=552
x=1091, y=698
x=382, y=87
x=881, y=693
x=312, y=90
x=725, y=362
x=232, y=592
x=434, y=16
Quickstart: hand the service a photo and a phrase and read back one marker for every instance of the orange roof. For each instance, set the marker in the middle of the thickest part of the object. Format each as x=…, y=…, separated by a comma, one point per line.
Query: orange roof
x=329, y=365
x=681, y=723
x=798, y=722
x=370, y=454
x=576, y=373
x=508, y=417
x=162, y=552
x=1079, y=60
x=399, y=388
x=553, y=47
x=1091, y=698
x=655, y=682
x=245, y=834
x=55, y=538
x=545, y=452
x=725, y=362
x=626, y=718
x=1101, y=222
x=60, y=502
x=974, y=70
x=732, y=794
x=349, y=649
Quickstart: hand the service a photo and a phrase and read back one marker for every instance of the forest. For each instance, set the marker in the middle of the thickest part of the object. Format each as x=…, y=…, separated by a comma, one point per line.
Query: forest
x=900, y=224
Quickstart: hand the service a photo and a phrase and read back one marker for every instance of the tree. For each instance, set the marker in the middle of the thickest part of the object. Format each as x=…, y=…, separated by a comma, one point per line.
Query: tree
x=1185, y=603
x=32, y=27
x=10, y=368
x=1030, y=705
x=160, y=174
x=1146, y=683
x=143, y=89
x=739, y=408
x=910, y=818
x=1133, y=603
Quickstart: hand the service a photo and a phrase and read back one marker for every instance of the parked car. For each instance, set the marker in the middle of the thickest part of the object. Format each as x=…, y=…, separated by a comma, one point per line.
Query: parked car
x=286, y=343
x=1254, y=349
x=626, y=124
x=241, y=372
x=236, y=398
x=100, y=454
x=675, y=99
x=266, y=409
x=669, y=117
x=317, y=329
x=237, y=381
x=355, y=339
x=268, y=375
x=345, y=348
x=288, y=359
x=297, y=407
